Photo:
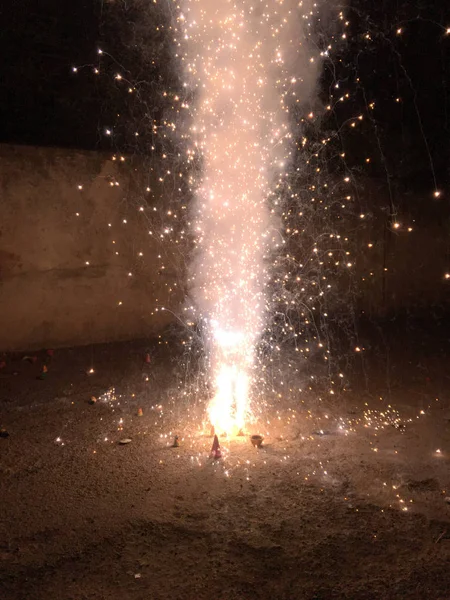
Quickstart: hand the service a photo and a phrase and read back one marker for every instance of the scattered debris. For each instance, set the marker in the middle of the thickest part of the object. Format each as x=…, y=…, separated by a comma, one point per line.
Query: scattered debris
x=147, y=358
x=3, y=433
x=257, y=440
x=125, y=441
x=92, y=400
x=321, y=432
x=443, y=535
x=30, y=359
x=447, y=499
x=140, y=412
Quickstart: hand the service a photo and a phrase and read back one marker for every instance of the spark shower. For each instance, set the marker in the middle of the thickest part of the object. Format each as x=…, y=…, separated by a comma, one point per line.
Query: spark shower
x=246, y=64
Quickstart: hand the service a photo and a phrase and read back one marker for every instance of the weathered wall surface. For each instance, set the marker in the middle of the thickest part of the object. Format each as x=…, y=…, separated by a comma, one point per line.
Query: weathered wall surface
x=78, y=266
x=96, y=264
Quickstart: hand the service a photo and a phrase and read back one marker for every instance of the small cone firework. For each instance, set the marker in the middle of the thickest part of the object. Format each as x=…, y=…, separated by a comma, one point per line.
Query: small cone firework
x=147, y=358
x=215, y=450
x=212, y=433
x=176, y=443
x=43, y=372
x=140, y=412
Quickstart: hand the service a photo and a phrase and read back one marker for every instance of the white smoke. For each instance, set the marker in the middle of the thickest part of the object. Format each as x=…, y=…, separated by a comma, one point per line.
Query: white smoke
x=247, y=64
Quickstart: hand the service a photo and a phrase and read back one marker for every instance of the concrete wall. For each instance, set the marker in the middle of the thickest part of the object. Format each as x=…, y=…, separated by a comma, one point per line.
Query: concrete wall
x=66, y=254
x=50, y=230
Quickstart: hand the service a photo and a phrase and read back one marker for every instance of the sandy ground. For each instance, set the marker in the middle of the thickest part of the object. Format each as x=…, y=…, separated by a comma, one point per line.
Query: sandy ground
x=319, y=512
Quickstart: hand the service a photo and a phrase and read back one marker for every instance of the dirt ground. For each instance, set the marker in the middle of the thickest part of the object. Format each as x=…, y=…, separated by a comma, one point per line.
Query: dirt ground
x=345, y=500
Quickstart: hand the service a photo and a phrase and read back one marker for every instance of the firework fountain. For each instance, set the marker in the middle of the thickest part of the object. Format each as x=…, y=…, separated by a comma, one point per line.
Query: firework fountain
x=246, y=65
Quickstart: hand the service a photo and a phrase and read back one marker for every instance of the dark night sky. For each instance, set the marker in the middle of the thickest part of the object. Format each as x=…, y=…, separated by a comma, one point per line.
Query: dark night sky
x=43, y=103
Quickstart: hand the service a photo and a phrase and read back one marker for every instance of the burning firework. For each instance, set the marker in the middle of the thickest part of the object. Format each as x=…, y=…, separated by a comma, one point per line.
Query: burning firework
x=237, y=125
x=245, y=66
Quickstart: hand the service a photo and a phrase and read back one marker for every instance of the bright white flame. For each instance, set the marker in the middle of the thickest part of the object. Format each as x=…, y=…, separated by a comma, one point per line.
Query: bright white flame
x=228, y=409
x=228, y=339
